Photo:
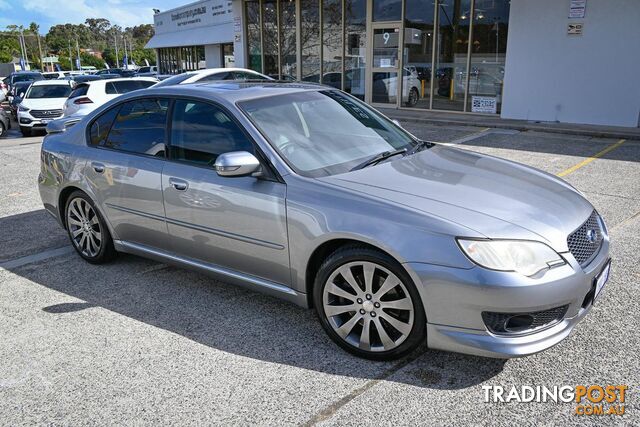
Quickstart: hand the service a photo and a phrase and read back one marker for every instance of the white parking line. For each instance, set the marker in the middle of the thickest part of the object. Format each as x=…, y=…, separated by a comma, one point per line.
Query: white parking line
x=50, y=253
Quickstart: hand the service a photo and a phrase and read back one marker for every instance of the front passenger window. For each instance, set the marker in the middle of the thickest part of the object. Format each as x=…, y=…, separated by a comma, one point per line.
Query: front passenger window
x=140, y=127
x=200, y=132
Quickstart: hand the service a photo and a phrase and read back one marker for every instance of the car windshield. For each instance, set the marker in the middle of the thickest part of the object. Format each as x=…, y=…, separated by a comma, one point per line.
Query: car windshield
x=321, y=133
x=49, y=91
x=175, y=80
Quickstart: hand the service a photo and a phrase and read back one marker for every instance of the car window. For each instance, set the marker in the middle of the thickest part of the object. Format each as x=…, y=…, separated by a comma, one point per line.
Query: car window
x=139, y=127
x=243, y=75
x=217, y=76
x=48, y=91
x=175, y=80
x=80, y=90
x=200, y=132
x=121, y=87
x=101, y=126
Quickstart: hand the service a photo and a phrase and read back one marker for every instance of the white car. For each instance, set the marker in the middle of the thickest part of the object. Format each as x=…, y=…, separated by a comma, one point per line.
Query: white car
x=88, y=96
x=42, y=103
x=213, y=74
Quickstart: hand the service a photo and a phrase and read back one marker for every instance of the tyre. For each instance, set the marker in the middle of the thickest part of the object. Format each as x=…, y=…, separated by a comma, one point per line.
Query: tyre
x=87, y=229
x=2, y=129
x=25, y=131
x=368, y=304
x=414, y=97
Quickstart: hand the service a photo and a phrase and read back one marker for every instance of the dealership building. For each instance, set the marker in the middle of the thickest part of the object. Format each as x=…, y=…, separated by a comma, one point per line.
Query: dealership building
x=569, y=61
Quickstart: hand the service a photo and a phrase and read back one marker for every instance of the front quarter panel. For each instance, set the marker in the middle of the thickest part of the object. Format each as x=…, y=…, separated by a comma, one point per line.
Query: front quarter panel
x=318, y=213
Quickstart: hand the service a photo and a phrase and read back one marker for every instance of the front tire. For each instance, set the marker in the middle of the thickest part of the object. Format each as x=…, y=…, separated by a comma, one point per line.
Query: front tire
x=87, y=229
x=368, y=304
x=414, y=97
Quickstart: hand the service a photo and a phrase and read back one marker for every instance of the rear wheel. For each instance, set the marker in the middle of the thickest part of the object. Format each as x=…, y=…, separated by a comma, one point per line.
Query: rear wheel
x=368, y=304
x=25, y=131
x=87, y=229
x=414, y=97
x=2, y=129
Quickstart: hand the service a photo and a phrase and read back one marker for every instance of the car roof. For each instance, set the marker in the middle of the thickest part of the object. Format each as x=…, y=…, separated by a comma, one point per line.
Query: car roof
x=55, y=82
x=230, y=91
x=122, y=79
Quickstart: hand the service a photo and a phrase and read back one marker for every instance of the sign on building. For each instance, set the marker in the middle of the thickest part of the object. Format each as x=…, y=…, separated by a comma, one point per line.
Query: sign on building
x=484, y=104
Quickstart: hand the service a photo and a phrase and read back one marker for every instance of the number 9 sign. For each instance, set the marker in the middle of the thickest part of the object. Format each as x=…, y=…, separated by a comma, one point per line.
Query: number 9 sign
x=386, y=36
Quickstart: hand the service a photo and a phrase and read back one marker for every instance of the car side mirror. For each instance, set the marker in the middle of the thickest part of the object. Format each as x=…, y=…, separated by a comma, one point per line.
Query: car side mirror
x=21, y=95
x=236, y=163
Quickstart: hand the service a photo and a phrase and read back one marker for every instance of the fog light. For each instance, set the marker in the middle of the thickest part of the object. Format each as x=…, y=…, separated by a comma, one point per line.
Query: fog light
x=518, y=323
x=25, y=120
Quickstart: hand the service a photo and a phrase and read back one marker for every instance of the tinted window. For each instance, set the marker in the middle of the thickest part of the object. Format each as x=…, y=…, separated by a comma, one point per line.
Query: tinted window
x=120, y=87
x=243, y=75
x=218, y=76
x=23, y=77
x=49, y=91
x=175, y=80
x=100, y=127
x=139, y=127
x=200, y=132
x=80, y=90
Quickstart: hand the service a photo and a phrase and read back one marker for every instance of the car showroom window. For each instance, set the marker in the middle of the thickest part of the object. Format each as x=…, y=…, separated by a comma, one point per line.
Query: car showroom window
x=139, y=127
x=101, y=126
x=200, y=132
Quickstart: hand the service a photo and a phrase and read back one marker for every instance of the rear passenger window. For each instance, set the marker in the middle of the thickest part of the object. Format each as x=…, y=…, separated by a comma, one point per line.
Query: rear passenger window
x=101, y=126
x=139, y=127
x=200, y=132
x=113, y=88
x=80, y=90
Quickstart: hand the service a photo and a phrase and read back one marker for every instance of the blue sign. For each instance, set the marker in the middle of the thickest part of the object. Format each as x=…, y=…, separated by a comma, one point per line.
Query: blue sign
x=78, y=63
x=22, y=64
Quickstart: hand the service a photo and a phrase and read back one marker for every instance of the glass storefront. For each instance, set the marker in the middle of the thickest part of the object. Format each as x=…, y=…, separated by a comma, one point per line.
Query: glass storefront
x=436, y=54
x=176, y=60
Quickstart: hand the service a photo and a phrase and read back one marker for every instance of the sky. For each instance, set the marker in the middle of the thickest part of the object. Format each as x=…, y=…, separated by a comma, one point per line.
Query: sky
x=46, y=13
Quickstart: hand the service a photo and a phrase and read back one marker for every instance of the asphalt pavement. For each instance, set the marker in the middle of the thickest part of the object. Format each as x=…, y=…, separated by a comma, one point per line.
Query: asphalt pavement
x=138, y=342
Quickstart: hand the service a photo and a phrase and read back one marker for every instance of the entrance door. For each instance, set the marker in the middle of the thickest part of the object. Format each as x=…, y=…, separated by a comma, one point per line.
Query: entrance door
x=385, y=67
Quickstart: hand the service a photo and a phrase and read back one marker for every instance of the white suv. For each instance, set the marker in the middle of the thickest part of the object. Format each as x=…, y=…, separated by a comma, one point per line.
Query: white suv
x=42, y=103
x=88, y=96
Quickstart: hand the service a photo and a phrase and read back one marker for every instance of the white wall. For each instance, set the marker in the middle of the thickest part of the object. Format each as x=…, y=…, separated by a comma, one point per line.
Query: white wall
x=213, y=56
x=239, y=36
x=593, y=78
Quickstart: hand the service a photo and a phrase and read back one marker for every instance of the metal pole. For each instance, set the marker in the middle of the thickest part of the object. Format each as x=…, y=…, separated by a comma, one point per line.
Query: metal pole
x=78, y=50
x=472, y=15
x=115, y=39
x=40, y=51
x=70, y=55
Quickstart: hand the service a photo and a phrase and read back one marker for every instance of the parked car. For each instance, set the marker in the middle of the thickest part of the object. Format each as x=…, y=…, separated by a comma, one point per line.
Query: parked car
x=85, y=78
x=42, y=103
x=385, y=86
x=118, y=71
x=52, y=75
x=147, y=71
x=306, y=193
x=19, y=88
x=88, y=96
x=5, y=123
x=213, y=74
x=23, y=76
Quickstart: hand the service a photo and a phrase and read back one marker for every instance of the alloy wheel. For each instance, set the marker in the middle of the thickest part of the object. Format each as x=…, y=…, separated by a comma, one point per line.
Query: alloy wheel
x=368, y=306
x=84, y=227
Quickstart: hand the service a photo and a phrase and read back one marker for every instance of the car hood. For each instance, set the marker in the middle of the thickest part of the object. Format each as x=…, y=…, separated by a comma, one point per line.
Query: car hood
x=492, y=197
x=44, y=103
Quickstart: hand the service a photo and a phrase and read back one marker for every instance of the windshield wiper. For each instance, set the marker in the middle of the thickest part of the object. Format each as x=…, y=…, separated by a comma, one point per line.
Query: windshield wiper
x=379, y=157
x=419, y=146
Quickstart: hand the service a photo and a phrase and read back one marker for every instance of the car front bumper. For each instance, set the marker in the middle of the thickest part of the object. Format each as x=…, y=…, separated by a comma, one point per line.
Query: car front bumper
x=454, y=300
x=27, y=120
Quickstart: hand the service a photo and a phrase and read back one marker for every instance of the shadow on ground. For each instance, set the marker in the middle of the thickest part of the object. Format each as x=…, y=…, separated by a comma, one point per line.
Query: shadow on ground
x=28, y=233
x=225, y=317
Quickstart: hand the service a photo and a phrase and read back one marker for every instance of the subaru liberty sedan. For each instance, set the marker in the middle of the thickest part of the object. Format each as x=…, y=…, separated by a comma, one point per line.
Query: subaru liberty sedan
x=303, y=192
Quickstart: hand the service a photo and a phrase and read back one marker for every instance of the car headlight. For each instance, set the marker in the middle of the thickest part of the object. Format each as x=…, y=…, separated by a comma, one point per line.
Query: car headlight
x=23, y=109
x=523, y=256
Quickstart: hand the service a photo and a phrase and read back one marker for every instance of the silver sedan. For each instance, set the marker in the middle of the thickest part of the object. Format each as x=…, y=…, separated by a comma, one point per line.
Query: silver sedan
x=306, y=193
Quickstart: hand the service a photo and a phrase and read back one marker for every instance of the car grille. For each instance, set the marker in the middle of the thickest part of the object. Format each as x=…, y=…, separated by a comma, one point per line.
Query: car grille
x=585, y=242
x=522, y=323
x=46, y=114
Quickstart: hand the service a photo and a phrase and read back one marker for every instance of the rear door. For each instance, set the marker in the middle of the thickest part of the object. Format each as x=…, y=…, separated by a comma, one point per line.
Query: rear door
x=125, y=169
x=233, y=222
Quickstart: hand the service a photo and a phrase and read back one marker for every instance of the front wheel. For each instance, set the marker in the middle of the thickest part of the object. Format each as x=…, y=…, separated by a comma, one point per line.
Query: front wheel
x=414, y=97
x=368, y=304
x=87, y=230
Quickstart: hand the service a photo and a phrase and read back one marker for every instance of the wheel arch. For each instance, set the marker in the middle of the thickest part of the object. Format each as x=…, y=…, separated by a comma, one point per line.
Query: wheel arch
x=326, y=248
x=63, y=197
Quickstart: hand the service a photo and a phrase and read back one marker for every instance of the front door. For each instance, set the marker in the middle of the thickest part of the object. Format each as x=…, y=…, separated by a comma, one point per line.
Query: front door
x=385, y=67
x=232, y=222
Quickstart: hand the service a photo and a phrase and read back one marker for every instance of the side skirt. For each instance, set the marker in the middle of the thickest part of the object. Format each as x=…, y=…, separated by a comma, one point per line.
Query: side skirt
x=231, y=276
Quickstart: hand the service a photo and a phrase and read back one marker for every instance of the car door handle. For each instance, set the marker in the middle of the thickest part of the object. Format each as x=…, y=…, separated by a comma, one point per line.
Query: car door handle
x=98, y=167
x=179, y=184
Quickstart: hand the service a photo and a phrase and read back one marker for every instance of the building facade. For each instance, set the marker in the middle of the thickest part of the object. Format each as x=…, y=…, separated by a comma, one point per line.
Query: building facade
x=570, y=61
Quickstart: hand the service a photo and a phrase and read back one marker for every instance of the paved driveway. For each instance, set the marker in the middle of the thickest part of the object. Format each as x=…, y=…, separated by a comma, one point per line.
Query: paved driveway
x=140, y=342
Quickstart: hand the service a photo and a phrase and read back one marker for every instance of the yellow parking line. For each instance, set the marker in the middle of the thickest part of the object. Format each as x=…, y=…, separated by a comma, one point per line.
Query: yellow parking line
x=592, y=158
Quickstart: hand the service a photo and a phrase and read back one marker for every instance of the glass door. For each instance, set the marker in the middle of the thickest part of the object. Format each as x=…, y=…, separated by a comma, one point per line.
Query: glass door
x=385, y=66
